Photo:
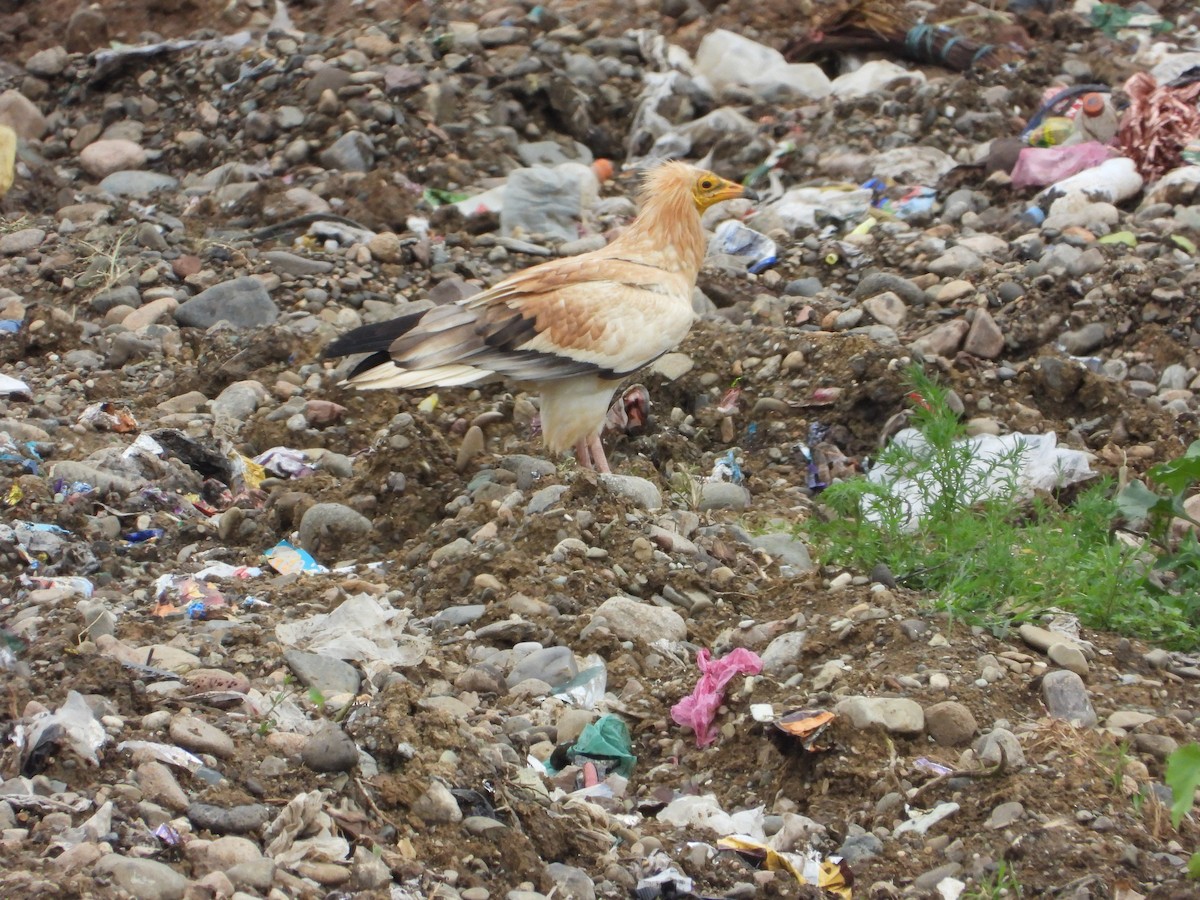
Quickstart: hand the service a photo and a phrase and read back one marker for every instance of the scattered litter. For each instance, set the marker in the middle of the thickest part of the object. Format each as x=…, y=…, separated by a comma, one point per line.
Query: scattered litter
x=805, y=727
x=735, y=239
x=144, y=536
x=13, y=387
x=703, y=811
x=950, y=888
x=832, y=874
x=304, y=815
x=144, y=445
x=108, y=62
x=164, y=753
x=168, y=835
x=75, y=584
x=666, y=882
x=606, y=740
x=1040, y=166
x=362, y=628
x=186, y=595
x=586, y=689
x=726, y=468
x=921, y=821
x=1160, y=122
x=928, y=765
x=1038, y=464
x=285, y=462
x=108, y=417
x=287, y=559
x=228, y=570
x=73, y=724
x=698, y=710
x=91, y=830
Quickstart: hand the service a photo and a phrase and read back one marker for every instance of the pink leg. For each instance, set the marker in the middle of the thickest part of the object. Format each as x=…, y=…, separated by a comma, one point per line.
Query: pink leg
x=583, y=455
x=597, y=451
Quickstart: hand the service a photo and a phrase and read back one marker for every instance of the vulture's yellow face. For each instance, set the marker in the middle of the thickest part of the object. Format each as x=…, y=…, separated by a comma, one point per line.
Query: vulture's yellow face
x=709, y=189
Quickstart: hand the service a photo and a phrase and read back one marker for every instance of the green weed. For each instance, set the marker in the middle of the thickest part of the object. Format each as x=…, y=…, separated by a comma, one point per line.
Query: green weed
x=1002, y=883
x=986, y=556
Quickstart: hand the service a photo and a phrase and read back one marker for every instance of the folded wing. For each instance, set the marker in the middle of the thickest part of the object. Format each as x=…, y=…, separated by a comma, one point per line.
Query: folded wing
x=593, y=315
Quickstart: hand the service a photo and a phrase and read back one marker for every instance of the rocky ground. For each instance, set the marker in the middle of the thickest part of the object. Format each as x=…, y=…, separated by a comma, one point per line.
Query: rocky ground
x=186, y=716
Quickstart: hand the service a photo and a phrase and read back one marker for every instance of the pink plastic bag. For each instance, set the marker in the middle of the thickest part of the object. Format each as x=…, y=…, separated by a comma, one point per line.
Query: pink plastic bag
x=1046, y=165
x=698, y=710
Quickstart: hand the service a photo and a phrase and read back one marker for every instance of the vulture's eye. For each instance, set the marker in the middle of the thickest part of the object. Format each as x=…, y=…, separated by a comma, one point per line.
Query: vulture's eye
x=706, y=184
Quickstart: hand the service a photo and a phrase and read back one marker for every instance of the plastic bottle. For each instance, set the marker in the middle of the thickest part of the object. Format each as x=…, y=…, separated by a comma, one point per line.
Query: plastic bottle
x=1097, y=120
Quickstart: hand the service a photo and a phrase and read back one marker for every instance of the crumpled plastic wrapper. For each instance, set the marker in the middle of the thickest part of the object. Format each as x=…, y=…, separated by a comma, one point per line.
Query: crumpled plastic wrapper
x=73, y=724
x=700, y=708
x=303, y=830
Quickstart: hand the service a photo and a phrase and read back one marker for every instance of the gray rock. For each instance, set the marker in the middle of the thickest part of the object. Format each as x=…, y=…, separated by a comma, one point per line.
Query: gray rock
x=553, y=665
x=785, y=549
x=1067, y=698
x=352, y=152
x=21, y=241
x=546, y=498
x=1068, y=655
x=956, y=261
x=238, y=402
x=193, y=733
x=782, y=655
x=723, y=495
x=881, y=282
x=942, y=340
x=242, y=819
x=530, y=470
x=887, y=309
x=437, y=805
x=631, y=620
x=950, y=723
x=125, y=295
x=331, y=525
x=454, y=616
x=803, y=287
x=326, y=674
x=985, y=339
x=145, y=879
x=330, y=750
x=299, y=266
x=20, y=114
x=572, y=883
x=1004, y=815
x=641, y=493
x=1160, y=746
x=137, y=184
x=88, y=359
x=159, y=785
x=456, y=549
x=484, y=678
x=242, y=302
x=859, y=847
x=1088, y=262
x=988, y=748
x=927, y=882
x=894, y=714
x=256, y=875
x=1083, y=341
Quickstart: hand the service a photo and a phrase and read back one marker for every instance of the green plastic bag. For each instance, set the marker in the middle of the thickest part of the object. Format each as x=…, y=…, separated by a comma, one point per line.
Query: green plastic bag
x=607, y=738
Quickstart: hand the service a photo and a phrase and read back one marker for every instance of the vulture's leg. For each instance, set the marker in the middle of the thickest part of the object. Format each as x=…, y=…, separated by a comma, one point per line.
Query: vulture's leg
x=596, y=449
x=582, y=454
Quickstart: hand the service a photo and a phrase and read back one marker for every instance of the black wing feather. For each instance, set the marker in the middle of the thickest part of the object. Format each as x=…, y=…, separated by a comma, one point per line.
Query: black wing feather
x=374, y=337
